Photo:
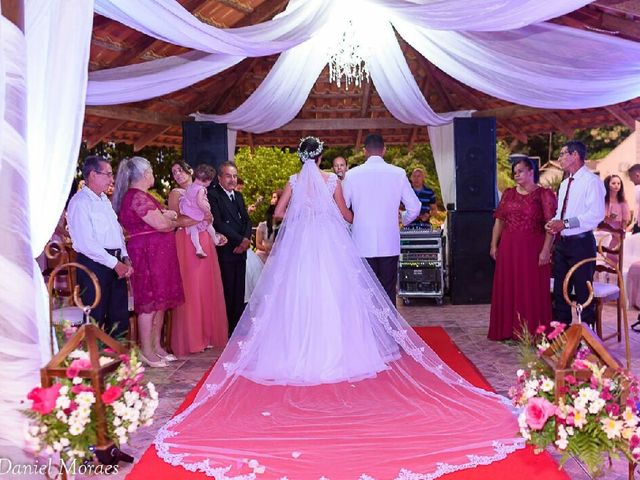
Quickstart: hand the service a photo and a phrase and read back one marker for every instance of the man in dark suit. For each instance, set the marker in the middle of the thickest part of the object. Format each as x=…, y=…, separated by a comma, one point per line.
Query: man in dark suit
x=230, y=218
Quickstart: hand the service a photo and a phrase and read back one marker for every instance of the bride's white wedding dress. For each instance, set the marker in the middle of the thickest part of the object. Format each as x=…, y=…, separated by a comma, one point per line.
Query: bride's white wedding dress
x=323, y=377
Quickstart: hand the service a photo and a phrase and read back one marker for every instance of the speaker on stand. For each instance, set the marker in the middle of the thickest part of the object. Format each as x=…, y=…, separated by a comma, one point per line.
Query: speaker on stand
x=470, y=224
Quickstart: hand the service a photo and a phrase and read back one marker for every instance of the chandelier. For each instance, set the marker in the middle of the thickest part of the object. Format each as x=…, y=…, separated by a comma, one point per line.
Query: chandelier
x=346, y=58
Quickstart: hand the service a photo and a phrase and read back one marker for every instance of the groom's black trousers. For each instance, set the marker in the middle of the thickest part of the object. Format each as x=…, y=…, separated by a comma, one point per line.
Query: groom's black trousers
x=386, y=269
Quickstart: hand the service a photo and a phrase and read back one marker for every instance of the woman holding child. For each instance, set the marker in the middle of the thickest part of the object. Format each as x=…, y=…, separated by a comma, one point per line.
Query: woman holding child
x=201, y=321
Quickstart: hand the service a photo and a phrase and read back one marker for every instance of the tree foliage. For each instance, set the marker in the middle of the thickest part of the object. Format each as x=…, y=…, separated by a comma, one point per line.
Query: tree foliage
x=264, y=170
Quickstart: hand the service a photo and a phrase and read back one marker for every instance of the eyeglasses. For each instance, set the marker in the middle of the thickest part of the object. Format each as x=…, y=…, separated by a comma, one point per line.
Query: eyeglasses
x=108, y=174
x=563, y=153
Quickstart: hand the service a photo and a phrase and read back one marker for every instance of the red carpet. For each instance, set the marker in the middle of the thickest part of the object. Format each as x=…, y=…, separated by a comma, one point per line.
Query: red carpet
x=523, y=464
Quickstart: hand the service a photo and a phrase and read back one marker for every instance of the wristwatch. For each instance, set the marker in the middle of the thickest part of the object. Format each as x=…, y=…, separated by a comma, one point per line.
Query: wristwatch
x=566, y=223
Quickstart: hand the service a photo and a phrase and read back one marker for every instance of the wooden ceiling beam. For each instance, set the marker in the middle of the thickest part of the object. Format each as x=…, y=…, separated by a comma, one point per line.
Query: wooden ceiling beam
x=437, y=85
x=236, y=5
x=364, y=107
x=424, y=86
x=107, y=128
x=148, y=137
x=623, y=116
x=136, y=115
x=265, y=11
x=235, y=84
x=510, y=111
x=559, y=124
x=318, y=124
x=521, y=137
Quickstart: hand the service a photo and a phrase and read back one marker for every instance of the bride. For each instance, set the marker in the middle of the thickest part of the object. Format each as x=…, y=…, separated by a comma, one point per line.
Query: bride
x=323, y=377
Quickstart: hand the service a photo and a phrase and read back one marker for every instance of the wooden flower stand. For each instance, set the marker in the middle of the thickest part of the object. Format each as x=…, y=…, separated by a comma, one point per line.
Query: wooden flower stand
x=88, y=336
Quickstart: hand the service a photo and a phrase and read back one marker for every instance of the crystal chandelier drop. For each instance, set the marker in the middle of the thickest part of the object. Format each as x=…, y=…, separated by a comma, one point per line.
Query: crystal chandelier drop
x=346, y=58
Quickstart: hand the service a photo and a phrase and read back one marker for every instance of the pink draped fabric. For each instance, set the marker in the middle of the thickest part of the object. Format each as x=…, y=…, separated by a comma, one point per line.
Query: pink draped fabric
x=201, y=321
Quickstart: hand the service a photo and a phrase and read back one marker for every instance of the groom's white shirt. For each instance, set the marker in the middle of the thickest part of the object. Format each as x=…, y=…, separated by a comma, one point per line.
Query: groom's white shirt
x=374, y=191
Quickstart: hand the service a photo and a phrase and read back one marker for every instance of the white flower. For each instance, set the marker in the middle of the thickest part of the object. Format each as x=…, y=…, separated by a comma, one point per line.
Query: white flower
x=597, y=405
x=57, y=446
x=34, y=430
x=130, y=397
x=259, y=469
x=133, y=427
x=76, y=380
x=120, y=431
x=253, y=463
x=580, y=403
x=63, y=390
x=547, y=385
x=60, y=415
x=75, y=429
x=296, y=454
x=105, y=360
x=522, y=420
x=562, y=443
x=117, y=422
x=570, y=430
x=580, y=417
x=64, y=442
x=612, y=427
x=629, y=418
x=266, y=414
x=63, y=402
x=520, y=373
x=79, y=354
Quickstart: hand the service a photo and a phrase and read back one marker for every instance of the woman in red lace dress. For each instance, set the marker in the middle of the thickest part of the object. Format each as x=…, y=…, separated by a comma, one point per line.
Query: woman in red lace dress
x=156, y=281
x=522, y=251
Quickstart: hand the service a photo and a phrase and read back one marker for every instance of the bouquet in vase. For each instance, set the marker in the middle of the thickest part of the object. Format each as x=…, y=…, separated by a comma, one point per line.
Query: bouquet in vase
x=593, y=416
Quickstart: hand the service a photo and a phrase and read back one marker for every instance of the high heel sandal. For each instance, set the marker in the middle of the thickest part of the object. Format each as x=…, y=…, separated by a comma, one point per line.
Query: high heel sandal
x=151, y=363
x=169, y=357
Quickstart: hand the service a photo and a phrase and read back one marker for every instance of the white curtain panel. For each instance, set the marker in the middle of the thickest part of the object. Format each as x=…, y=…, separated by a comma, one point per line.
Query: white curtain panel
x=543, y=65
x=283, y=92
x=477, y=15
x=142, y=81
x=58, y=36
x=167, y=20
x=20, y=355
x=443, y=147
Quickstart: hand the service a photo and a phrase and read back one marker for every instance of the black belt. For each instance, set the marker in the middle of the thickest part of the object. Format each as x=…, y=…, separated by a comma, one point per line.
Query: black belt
x=579, y=236
x=116, y=252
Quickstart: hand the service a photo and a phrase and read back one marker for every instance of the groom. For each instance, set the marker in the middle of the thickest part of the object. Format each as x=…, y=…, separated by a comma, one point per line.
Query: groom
x=374, y=191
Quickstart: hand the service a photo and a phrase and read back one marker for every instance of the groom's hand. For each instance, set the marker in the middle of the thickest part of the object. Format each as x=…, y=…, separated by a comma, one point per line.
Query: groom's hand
x=243, y=247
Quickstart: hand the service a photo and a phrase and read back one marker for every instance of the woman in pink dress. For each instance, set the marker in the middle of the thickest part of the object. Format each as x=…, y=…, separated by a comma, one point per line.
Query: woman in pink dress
x=201, y=321
x=522, y=251
x=617, y=213
x=156, y=281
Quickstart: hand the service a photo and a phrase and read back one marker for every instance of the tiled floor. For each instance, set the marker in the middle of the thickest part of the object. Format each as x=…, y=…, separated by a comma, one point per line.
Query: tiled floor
x=467, y=326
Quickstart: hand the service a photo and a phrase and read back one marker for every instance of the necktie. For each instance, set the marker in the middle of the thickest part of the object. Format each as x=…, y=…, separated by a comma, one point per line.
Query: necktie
x=232, y=197
x=566, y=198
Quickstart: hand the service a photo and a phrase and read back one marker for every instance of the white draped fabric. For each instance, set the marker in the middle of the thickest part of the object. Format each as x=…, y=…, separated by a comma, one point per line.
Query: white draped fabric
x=167, y=20
x=499, y=52
x=58, y=36
x=142, y=81
x=281, y=95
x=20, y=356
x=544, y=65
x=478, y=15
x=443, y=148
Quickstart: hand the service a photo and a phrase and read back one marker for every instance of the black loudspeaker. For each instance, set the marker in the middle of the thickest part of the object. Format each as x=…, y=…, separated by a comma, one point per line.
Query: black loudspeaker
x=476, y=164
x=470, y=266
x=204, y=142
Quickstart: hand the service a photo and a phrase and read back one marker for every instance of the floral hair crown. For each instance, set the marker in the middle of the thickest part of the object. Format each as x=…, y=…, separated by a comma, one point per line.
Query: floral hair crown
x=304, y=156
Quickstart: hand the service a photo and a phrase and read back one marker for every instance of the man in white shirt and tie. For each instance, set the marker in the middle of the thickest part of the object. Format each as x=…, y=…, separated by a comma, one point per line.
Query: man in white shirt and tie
x=98, y=239
x=580, y=210
x=374, y=191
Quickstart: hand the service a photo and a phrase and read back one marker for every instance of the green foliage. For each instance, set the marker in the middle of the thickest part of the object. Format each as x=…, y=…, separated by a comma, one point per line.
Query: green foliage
x=264, y=170
x=160, y=158
x=505, y=178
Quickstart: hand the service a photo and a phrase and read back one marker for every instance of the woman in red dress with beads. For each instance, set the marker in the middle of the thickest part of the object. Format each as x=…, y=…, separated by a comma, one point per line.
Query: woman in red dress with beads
x=522, y=251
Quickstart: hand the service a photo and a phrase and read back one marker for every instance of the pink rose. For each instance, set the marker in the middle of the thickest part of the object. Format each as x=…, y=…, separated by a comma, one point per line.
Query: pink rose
x=111, y=394
x=537, y=411
x=570, y=379
x=79, y=364
x=81, y=388
x=44, y=399
x=559, y=328
x=540, y=330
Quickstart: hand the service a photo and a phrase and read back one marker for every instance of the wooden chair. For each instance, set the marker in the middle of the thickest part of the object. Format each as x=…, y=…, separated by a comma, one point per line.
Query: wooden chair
x=608, y=292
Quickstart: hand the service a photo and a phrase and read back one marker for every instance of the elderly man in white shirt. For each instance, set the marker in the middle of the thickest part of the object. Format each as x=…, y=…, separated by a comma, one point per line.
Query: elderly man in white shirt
x=98, y=239
x=374, y=191
x=580, y=210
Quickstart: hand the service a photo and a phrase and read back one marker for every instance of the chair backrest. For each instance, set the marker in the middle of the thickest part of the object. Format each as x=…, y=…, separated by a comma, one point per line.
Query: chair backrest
x=614, y=249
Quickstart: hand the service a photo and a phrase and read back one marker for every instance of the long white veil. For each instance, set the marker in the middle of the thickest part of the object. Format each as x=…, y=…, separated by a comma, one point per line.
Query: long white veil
x=320, y=362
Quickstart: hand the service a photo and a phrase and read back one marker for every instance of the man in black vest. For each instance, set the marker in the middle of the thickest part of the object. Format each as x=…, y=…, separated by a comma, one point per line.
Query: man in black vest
x=230, y=218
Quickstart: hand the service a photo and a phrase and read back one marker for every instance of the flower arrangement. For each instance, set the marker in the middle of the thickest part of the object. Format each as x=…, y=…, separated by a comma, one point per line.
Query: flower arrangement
x=592, y=416
x=62, y=418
